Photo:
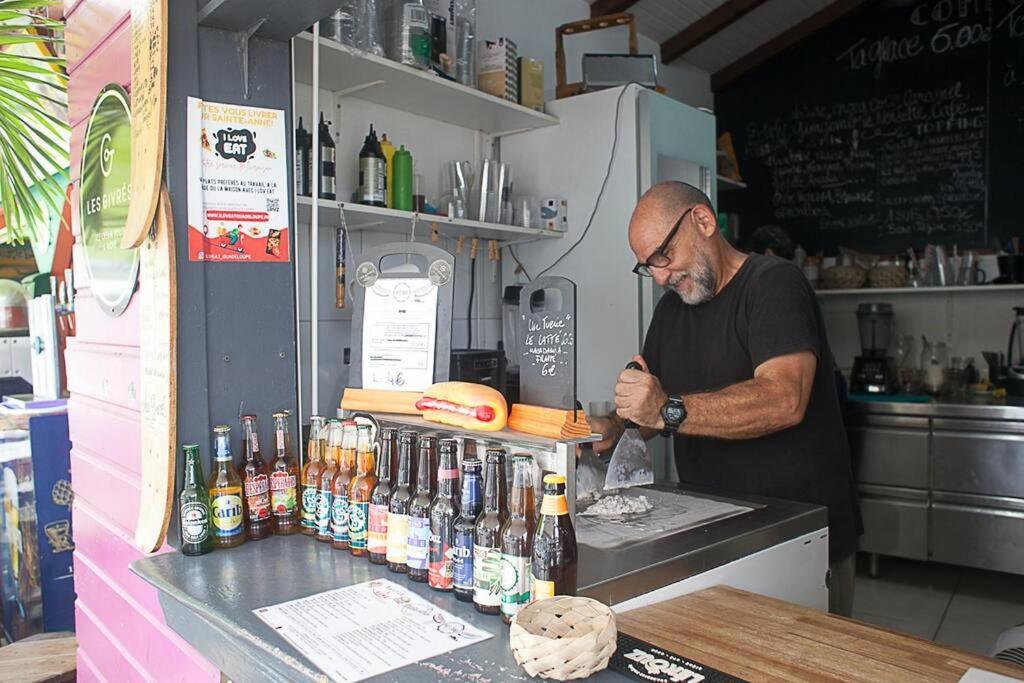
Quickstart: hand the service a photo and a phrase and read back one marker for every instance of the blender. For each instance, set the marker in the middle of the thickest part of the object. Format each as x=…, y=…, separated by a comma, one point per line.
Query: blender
x=874, y=371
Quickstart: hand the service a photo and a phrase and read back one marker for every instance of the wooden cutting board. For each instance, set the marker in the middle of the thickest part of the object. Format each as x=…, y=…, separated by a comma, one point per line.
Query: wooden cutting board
x=763, y=639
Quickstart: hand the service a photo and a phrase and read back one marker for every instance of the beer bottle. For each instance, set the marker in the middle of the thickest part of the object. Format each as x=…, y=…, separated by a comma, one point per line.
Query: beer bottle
x=359, y=492
x=377, y=526
x=225, y=487
x=487, y=539
x=553, y=564
x=339, y=486
x=311, y=475
x=328, y=470
x=465, y=529
x=398, y=508
x=413, y=439
x=194, y=506
x=255, y=482
x=443, y=512
x=284, y=476
x=517, y=540
x=418, y=552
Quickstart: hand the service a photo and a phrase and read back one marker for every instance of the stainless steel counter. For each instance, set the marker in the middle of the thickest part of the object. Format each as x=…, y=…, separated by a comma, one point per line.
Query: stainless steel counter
x=1005, y=409
x=209, y=600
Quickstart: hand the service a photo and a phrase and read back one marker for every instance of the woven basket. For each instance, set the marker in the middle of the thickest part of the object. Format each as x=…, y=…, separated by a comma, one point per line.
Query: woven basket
x=887, y=276
x=844, y=277
x=563, y=637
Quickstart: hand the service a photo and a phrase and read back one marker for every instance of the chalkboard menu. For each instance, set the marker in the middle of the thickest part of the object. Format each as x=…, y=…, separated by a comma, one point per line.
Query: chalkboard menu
x=900, y=125
x=547, y=368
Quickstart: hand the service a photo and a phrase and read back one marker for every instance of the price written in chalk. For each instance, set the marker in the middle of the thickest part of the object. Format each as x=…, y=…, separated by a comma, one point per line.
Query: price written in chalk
x=549, y=342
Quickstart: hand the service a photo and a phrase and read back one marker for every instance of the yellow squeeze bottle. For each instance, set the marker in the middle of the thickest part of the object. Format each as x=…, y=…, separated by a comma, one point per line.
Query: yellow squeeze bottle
x=389, y=152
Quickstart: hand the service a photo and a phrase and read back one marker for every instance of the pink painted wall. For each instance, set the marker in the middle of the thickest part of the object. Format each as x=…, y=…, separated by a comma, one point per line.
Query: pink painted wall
x=120, y=626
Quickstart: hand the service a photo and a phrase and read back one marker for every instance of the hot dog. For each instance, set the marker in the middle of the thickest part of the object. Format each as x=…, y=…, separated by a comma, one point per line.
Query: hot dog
x=464, y=404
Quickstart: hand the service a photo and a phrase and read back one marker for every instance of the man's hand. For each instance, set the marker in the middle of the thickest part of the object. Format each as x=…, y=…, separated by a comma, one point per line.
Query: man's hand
x=609, y=427
x=639, y=397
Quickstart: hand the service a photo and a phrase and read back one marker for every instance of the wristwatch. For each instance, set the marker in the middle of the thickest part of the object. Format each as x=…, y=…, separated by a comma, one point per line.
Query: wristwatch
x=674, y=414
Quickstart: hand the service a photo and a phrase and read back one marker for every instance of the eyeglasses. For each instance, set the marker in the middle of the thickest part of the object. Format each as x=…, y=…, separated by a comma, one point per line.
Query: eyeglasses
x=660, y=257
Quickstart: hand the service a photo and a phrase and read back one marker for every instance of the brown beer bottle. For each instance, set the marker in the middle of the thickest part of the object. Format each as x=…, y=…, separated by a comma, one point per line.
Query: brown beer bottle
x=311, y=475
x=487, y=537
x=418, y=546
x=554, y=562
x=284, y=480
x=225, y=487
x=339, y=487
x=398, y=507
x=255, y=482
x=517, y=540
x=443, y=512
x=359, y=492
x=324, y=497
x=377, y=525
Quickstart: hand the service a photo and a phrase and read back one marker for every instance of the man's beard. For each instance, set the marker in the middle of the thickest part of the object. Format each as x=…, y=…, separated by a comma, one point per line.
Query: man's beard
x=703, y=279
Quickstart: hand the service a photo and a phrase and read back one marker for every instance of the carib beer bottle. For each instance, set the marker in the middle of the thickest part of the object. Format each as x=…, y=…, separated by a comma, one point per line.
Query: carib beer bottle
x=284, y=480
x=194, y=506
x=418, y=547
x=311, y=475
x=464, y=530
x=359, y=492
x=398, y=508
x=517, y=540
x=339, y=487
x=325, y=487
x=225, y=489
x=377, y=524
x=444, y=510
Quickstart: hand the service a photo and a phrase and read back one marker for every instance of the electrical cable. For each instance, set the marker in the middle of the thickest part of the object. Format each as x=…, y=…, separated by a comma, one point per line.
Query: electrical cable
x=604, y=183
x=512, y=253
x=469, y=311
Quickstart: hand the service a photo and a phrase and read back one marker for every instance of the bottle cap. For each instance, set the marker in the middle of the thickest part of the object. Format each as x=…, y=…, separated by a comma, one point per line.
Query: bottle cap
x=189, y=447
x=554, y=479
x=221, y=429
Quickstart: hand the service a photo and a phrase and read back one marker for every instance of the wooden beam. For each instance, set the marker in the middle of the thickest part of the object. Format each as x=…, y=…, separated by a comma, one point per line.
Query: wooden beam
x=705, y=27
x=603, y=7
x=794, y=36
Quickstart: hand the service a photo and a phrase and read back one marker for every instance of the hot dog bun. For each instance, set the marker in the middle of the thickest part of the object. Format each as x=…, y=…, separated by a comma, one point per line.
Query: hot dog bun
x=465, y=405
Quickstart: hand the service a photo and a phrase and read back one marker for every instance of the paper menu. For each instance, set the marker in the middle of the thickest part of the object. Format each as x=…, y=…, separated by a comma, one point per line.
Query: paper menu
x=399, y=334
x=370, y=628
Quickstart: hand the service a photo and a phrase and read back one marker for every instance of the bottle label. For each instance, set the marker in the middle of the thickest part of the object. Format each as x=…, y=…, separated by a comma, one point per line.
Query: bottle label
x=226, y=508
x=540, y=589
x=255, y=442
x=486, y=576
x=515, y=583
x=310, y=505
x=398, y=537
x=339, y=518
x=257, y=498
x=322, y=518
x=377, y=533
x=419, y=543
x=441, y=571
x=195, y=522
x=462, y=558
x=357, y=514
x=283, y=494
x=279, y=434
x=554, y=505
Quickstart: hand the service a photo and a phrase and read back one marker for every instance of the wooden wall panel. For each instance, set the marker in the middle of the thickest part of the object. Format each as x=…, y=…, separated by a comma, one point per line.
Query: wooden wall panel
x=89, y=26
x=108, y=373
x=93, y=422
x=110, y=63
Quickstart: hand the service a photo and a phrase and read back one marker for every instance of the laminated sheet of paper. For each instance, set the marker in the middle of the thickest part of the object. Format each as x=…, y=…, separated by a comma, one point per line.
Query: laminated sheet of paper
x=399, y=334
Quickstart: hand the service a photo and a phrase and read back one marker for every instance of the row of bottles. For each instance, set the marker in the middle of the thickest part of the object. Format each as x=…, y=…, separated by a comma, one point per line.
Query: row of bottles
x=385, y=174
x=327, y=175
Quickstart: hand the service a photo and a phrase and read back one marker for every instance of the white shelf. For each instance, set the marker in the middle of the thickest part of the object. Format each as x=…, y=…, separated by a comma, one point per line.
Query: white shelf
x=919, y=290
x=349, y=71
x=392, y=221
x=726, y=183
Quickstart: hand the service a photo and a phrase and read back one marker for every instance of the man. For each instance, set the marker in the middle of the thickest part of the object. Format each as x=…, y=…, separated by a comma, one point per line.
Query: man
x=738, y=368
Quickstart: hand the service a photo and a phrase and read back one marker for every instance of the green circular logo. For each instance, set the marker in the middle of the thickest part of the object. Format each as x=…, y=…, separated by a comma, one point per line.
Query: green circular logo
x=105, y=192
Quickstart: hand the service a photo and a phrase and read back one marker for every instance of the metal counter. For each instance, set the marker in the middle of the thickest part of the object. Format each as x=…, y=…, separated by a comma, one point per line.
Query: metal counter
x=209, y=600
x=1006, y=409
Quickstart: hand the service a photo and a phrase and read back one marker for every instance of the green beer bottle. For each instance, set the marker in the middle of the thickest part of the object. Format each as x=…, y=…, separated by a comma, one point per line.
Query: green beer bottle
x=194, y=506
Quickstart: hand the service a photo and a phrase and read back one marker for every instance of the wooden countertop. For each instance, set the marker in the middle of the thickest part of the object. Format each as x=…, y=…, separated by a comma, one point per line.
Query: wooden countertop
x=764, y=639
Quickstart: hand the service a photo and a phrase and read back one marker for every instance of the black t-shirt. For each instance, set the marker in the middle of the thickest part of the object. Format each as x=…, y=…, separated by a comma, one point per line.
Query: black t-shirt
x=767, y=310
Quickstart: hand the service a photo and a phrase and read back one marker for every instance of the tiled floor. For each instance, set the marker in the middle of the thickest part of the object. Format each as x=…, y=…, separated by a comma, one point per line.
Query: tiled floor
x=967, y=608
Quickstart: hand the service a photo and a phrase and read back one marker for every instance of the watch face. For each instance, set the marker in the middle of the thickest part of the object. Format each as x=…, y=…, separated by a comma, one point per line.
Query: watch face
x=672, y=413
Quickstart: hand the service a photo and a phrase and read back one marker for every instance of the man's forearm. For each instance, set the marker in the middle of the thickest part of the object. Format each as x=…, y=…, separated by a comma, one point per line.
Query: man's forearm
x=746, y=410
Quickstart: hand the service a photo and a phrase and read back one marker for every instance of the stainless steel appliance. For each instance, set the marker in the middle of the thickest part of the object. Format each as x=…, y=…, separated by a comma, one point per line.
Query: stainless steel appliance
x=1015, y=355
x=874, y=371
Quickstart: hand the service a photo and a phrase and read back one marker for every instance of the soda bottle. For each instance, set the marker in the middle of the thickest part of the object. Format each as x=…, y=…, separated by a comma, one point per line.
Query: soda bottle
x=398, y=507
x=465, y=529
x=225, y=487
x=553, y=564
x=377, y=526
x=359, y=492
x=339, y=486
x=284, y=480
x=487, y=539
x=194, y=506
x=311, y=475
x=329, y=469
x=443, y=512
x=255, y=483
x=517, y=540
x=418, y=553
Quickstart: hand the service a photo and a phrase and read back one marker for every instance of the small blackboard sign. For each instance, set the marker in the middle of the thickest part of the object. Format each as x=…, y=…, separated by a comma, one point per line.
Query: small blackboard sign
x=547, y=367
x=642, y=661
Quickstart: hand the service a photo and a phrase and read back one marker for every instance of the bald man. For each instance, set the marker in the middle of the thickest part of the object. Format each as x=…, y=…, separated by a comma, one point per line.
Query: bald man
x=738, y=369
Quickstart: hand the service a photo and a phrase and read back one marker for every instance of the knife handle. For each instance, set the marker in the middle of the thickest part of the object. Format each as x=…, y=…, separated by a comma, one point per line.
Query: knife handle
x=632, y=365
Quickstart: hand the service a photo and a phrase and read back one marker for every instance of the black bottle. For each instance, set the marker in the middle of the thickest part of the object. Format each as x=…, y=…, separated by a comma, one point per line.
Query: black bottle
x=303, y=160
x=328, y=177
x=372, y=172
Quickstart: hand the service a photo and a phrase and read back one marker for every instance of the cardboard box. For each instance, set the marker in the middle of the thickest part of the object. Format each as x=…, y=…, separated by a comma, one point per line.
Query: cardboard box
x=498, y=70
x=531, y=83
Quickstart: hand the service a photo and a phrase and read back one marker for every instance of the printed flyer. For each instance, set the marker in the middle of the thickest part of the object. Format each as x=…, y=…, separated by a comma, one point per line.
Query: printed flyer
x=238, y=189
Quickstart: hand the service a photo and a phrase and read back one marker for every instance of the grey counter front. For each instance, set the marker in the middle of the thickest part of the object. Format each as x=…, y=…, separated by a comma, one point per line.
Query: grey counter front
x=209, y=600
